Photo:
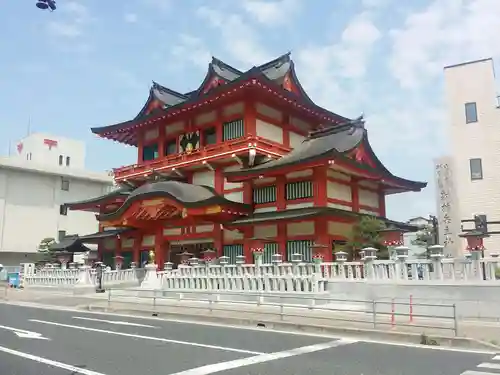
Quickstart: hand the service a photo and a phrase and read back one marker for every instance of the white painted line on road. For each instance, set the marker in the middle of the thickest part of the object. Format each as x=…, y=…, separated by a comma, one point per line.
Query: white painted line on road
x=73, y=369
x=161, y=339
x=223, y=366
x=496, y=358
x=25, y=334
x=470, y=372
x=117, y=322
x=495, y=366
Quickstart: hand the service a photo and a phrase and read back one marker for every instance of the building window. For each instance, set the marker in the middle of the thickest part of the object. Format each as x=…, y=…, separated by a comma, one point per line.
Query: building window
x=232, y=130
x=266, y=194
x=232, y=251
x=61, y=160
x=67, y=161
x=63, y=210
x=28, y=156
x=171, y=148
x=299, y=190
x=476, y=169
x=64, y=184
x=150, y=152
x=470, y=113
x=302, y=247
x=209, y=137
x=60, y=235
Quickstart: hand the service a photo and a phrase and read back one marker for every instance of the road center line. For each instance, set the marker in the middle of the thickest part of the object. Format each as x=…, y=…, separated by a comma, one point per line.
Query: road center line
x=116, y=322
x=222, y=366
x=161, y=339
x=73, y=369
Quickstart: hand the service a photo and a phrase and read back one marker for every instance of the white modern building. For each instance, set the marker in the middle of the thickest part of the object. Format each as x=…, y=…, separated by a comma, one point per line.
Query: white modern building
x=468, y=180
x=43, y=173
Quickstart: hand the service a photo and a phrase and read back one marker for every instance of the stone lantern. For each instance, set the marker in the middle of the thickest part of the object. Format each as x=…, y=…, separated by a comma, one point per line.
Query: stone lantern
x=276, y=258
x=341, y=256
x=474, y=243
x=118, y=262
x=318, y=252
x=63, y=257
x=184, y=257
x=209, y=255
x=224, y=260
x=240, y=260
x=392, y=237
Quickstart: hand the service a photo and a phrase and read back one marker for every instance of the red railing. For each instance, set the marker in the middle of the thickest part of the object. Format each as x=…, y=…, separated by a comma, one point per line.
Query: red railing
x=208, y=153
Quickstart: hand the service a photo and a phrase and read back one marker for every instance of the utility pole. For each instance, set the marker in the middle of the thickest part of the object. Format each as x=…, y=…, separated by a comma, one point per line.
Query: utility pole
x=435, y=229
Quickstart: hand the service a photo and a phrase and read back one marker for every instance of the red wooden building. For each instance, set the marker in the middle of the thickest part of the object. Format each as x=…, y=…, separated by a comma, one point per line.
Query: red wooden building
x=246, y=155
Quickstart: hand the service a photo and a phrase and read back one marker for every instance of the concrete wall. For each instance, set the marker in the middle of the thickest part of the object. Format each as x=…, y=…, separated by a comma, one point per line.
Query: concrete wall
x=29, y=210
x=472, y=300
x=467, y=83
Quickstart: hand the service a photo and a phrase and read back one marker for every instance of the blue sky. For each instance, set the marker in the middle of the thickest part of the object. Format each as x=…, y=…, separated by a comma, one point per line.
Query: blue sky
x=91, y=63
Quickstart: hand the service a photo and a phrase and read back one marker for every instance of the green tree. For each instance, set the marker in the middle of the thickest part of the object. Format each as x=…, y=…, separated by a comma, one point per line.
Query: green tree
x=45, y=254
x=425, y=238
x=365, y=233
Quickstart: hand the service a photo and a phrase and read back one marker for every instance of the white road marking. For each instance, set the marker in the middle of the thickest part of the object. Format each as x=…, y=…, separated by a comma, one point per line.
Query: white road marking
x=222, y=366
x=73, y=369
x=25, y=334
x=245, y=328
x=161, y=339
x=496, y=358
x=117, y=322
x=471, y=372
x=495, y=366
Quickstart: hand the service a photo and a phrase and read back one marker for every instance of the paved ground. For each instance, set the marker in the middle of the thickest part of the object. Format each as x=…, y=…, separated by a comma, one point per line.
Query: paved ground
x=49, y=342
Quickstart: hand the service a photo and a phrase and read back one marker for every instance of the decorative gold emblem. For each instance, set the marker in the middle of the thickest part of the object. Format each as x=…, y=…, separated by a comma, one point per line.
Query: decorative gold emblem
x=184, y=213
x=151, y=255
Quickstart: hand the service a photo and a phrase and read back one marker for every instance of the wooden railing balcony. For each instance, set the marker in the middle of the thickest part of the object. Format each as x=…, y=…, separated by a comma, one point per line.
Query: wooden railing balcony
x=203, y=155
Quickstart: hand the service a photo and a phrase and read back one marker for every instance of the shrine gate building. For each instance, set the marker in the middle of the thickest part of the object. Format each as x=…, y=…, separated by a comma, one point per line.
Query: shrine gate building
x=246, y=155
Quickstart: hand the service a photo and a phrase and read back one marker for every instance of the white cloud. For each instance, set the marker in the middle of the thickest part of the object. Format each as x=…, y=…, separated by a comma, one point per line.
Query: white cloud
x=445, y=32
x=130, y=17
x=272, y=13
x=161, y=5
x=74, y=17
x=238, y=38
x=191, y=49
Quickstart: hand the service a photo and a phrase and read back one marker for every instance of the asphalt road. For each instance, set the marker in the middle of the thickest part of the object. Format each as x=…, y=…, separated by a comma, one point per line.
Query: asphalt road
x=50, y=342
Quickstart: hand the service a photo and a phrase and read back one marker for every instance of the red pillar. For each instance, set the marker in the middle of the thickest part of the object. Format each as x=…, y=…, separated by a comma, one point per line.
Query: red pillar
x=247, y=244
x=355, y=194
x=381, y=203
x=250, y=119
x=286, y=132
x=140, y=147
x=320, y=186
x=281, y=239
x=159, y=250
x=136, y=250
x=323, y=238
x=218, y=126
x=280, y=193
x=219, y=181
x=218, y=236
x=161, y=142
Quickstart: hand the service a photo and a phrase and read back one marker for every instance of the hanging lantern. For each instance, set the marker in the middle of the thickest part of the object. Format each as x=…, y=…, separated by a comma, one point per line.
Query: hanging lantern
x=208, y=255
x=392, y=236
x=474, y=240
x=185, y=256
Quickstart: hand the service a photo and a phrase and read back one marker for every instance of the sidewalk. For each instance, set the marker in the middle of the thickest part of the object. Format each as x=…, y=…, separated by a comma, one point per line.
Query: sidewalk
x=311, y=319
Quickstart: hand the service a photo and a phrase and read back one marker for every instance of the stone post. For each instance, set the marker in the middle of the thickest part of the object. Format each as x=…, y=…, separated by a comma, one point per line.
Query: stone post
x=477, y=270
x=133, y=265
x=276, y=259
x=168, y=266
x=84, y=280
x=493, y=265
x=401, y=267
x=296, y=260
x=341, y=258
x=151, y=280
x=317, y=260
x=370, y=254
x=240, y=261
x=118, y=262
x=436, y=254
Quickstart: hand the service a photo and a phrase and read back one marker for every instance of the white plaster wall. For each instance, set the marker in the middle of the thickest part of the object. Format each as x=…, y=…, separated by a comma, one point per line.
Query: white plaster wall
x=304, y=173
x=206, y=178
x=269, y=131
x=340, y=229
x=204, y=228
x=29, y=208
x=368, y=184
x=266, y=231
x=475, y=82
x=339, y=191
x=205, y=118
x=233, y=109
x=40, y=153
x=296, y=139
x=232, y=185
x=339, y=206
x=339, y=176
x=151, y=134
x=148, y=240
x=172, y=231
x=268, y=111
x=265, y=209
x=232, y=235
x=260, y=181
x=295, y=206
x=235, y=196
x=300, y=123
x=301, y=229
x=174, y=127
x=368, y=198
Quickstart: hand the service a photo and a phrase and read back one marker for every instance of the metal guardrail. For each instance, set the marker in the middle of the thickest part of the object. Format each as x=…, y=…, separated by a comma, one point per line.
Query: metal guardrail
x=376, y=313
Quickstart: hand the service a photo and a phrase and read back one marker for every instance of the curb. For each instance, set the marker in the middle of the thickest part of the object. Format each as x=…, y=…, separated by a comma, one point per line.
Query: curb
x=355, y=333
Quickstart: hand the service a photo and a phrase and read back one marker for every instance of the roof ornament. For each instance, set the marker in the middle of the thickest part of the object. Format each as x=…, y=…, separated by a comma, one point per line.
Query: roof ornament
x=349, y=125
x=46, y=4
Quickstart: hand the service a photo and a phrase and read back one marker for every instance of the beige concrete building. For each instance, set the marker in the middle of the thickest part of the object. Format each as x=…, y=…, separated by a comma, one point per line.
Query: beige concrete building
x=468, y=180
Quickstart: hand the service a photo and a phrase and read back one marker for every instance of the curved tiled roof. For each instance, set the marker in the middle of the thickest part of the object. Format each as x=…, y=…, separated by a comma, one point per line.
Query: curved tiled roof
x=187, y=195
x=121, y=191
x=333, y=141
